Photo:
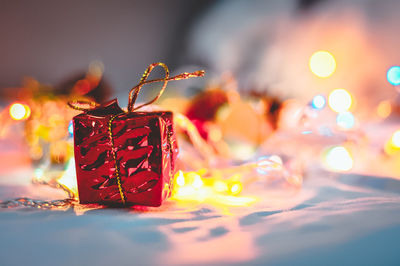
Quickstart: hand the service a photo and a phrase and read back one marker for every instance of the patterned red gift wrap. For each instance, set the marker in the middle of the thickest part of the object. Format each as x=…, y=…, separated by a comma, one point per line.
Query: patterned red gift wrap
x=124, y=157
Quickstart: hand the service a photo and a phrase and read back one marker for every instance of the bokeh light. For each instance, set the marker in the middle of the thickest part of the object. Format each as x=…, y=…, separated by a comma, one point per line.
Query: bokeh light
x=338, y=159
x=384, y=109
x=392, y=145
x=345, y=120
x=318, y=102
x=340, y=100
x=322, y=64
x=396, y=139
x=393, y=75
x=19, y=111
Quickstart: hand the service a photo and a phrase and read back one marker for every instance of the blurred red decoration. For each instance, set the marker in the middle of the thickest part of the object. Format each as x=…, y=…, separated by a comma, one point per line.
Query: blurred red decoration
x=204, y=108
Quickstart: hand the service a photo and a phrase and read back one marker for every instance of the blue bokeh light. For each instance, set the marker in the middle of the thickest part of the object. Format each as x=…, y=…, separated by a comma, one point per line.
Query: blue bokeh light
x=393, y=75
x=345, y=120
x=318, y=102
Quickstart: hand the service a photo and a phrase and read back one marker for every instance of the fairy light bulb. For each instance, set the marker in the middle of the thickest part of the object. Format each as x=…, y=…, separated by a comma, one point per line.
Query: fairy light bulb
x=197, y=182
x=340, y=100
x=19, y=111
x=322, y=64
x=236, y=188
x=180, y=179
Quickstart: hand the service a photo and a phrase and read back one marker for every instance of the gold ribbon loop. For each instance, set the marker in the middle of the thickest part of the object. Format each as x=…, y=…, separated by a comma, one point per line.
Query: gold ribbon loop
x=86, y=105
x=83, y=105
x=133, y=94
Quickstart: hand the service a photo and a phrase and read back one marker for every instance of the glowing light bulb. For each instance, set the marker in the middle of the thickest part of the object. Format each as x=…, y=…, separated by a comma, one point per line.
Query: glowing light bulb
x=318, y=102
x=396, y=139
x=180, y=179
x=19, y=111
x=338, y=159
x=322, y=64
x=340, y=100
x=197, y=182
x=345, y=120
x=384, y=109
x=236, y=188
x=393, y=75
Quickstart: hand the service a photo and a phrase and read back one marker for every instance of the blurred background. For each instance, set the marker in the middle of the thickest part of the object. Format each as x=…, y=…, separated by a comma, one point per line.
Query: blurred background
x=265, y=44
x=275, y=64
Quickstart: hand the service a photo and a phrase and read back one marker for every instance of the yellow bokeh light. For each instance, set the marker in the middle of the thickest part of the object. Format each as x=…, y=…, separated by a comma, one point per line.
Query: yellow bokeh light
x=396, y=139
x=19, y=111
x=340, y=100
x=236, y=188
x=338, y=159
x=384, y=109
x=392, y=146
x=322, y=64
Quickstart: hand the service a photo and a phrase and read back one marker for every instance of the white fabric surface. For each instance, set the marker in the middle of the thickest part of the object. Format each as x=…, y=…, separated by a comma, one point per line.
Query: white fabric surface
x=332, y=220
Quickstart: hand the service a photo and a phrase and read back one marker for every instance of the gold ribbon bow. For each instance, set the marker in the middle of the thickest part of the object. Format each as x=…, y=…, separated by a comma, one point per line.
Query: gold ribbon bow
x=84, y=105
x=133, y=94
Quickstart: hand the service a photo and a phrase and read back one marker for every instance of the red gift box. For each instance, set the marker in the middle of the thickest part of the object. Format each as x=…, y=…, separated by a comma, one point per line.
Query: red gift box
x=145, y=150
x=126, y=157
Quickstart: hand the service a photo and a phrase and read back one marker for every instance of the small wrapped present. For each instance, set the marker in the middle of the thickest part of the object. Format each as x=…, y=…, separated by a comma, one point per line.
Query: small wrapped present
x=126, y=157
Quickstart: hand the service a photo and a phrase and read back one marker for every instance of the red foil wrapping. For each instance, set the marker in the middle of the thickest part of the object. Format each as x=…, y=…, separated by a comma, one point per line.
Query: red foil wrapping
x=145, y=149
